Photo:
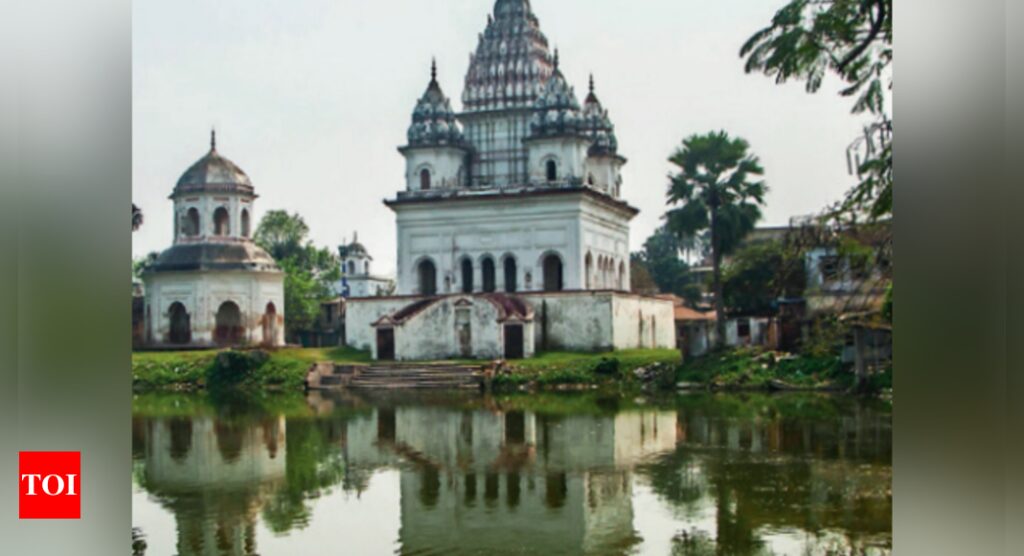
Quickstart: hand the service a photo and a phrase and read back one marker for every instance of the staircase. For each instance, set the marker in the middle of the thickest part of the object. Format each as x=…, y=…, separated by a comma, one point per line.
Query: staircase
x=397, y=376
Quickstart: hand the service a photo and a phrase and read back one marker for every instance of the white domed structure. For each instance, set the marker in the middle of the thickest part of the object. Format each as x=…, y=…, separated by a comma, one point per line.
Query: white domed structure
x=214, y=286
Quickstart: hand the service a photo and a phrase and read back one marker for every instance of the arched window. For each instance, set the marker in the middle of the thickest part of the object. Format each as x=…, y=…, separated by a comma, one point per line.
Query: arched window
x=351, y=267
x=192, y=222
x=553, y=273
x=590, y=179
x=424, y=179
x=552, y=170
x=221, y=222
x=467, y=276
x=229, y=329
x=181, y=328
x=428, y=277
x=622, y=276
x=510, y=274
x=588, y=270
x=366, y=267
x=245, y=223
x=487, y=269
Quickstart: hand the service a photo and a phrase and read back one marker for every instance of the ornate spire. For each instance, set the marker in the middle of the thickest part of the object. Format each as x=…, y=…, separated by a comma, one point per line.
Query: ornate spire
x=556, y=58
x=213, y=139
x=591, y=83
x=433, y=70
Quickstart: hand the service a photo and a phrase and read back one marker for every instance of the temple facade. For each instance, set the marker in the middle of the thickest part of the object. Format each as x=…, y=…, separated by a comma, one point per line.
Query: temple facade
x=516, y=201
x=214, y=286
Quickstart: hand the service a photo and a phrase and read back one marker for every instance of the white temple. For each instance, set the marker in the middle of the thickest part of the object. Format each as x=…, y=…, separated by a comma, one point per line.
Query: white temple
x=214, y=286
x=514, y=204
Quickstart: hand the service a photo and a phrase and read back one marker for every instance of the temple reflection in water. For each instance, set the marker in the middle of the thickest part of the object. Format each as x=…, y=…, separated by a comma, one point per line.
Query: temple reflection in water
x=483, y=477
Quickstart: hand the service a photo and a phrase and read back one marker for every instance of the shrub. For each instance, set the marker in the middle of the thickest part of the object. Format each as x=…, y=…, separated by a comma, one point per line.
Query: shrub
x=607, y=367
x=235, y=368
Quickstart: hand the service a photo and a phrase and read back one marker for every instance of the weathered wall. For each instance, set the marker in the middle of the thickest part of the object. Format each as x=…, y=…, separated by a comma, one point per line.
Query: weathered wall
x=360, y=314
x=572, y=321
x=202, y=293
x=643, y=322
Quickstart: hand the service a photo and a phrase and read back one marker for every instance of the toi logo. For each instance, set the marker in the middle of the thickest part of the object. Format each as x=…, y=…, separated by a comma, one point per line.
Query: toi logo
x=49, y=485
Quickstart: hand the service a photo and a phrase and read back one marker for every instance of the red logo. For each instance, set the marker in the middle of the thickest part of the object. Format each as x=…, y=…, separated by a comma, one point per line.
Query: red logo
x=49, y=485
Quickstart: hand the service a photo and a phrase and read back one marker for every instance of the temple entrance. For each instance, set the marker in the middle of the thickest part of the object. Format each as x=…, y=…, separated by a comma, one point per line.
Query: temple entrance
x=514, y=348
x=229, y=329
x=386, y=344
x=181, y=326
x=270, y=325
x=552, y=273
x=464, y=332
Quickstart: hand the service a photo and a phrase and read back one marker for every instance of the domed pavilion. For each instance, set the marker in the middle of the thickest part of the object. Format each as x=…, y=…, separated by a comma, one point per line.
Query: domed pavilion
x=214, y=287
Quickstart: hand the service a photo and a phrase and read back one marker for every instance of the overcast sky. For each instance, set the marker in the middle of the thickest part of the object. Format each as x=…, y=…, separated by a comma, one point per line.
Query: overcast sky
x=312, y=97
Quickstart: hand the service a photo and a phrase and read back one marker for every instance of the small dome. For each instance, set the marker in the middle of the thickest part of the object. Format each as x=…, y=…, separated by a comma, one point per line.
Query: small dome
x=214, y=256
x=557, y=101
x=433, y=120
x=213, y=172
x=597, y=125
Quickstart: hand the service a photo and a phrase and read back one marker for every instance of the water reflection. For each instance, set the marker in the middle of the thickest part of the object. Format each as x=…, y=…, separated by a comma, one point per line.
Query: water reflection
x=521, y=475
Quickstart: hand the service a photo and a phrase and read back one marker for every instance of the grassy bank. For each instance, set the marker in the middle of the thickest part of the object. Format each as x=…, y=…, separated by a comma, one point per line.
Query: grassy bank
x=284, y=369
x=758, y=369
x=558, y=368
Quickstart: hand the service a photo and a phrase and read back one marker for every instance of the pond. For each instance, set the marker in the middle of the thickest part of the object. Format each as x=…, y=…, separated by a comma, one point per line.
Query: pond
x=551, y=474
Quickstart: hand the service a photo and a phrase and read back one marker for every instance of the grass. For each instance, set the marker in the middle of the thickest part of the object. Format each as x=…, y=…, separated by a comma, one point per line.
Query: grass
x=190, y=370
x=756, y=368
x=564, y=367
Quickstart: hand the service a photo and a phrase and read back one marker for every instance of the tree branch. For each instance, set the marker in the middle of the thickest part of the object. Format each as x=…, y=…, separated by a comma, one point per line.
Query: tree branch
x=876, y=28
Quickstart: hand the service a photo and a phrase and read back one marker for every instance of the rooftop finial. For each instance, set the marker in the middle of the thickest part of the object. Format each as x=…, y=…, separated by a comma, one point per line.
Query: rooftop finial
x=433, y=69
x=556, y=58
x=213, y=139
x=355, y=237
x=591, y=83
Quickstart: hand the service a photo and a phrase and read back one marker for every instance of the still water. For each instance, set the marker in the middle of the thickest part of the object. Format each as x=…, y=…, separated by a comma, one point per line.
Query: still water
x=545, y=474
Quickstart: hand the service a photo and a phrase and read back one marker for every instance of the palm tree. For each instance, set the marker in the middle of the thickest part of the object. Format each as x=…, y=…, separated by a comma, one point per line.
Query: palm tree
x=716, y=194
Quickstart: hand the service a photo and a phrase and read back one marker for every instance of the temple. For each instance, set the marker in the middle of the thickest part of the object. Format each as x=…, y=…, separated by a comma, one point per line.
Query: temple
x=513, y=235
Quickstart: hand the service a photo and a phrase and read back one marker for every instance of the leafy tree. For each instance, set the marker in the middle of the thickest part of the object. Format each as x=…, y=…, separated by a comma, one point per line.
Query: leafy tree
x=310, y=272
x=283, y=235
x=717, y=195
x=639, y=276
x=661, y=258
x=136, y=217
x=759, y=273
x=851, y=39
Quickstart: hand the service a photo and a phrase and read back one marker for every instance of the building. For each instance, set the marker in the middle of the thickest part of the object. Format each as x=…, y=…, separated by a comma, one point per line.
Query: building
x=356, y=278
x=519, y=194
x=213, y=286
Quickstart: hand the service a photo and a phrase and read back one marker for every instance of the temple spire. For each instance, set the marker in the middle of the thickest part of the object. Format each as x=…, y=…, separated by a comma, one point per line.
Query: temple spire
x=556, y=58
x=433, y=70
x=213, y=139
x=591, y=83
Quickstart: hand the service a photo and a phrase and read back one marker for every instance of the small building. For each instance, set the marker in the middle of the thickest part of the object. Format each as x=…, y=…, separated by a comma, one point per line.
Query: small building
x=356, y=278
x=214, y=286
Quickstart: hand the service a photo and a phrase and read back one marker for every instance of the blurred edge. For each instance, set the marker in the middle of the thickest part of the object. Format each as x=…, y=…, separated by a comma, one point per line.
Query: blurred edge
x=66, y=181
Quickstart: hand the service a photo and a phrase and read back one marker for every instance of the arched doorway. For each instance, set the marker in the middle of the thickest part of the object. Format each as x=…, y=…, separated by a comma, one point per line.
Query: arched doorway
x=191, y=223
x=553, y=273
x=467, y=276
x=221, y=222
x=270, y=325
x=489, y=277
x=511, y=272
x=424, y=179
x=181, y=326
x=228, y=330
x=428, y=277
x=551, y=169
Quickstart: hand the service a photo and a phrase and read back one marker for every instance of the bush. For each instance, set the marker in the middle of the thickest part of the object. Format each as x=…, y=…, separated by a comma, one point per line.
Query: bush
x=235, y=368
x=608, y=367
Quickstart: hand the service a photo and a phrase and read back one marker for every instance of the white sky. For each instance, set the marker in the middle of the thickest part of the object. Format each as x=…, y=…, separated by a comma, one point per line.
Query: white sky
x=312, y=97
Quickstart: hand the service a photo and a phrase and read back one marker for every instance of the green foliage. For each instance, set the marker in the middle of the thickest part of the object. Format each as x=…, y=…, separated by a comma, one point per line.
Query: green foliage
x=232, y=369
x=887, y=304
x=755, y=368
x=660, y=257
x=714, y=185
x=760, y=273
x=310, y=272
x=851, y=39
x=139, y=265
x=607, y=366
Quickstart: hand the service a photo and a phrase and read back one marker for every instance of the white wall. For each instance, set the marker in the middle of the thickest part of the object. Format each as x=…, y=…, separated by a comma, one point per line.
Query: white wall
x=202, y=294
x=526, y=228
x=569, y=154
x=446, y=166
